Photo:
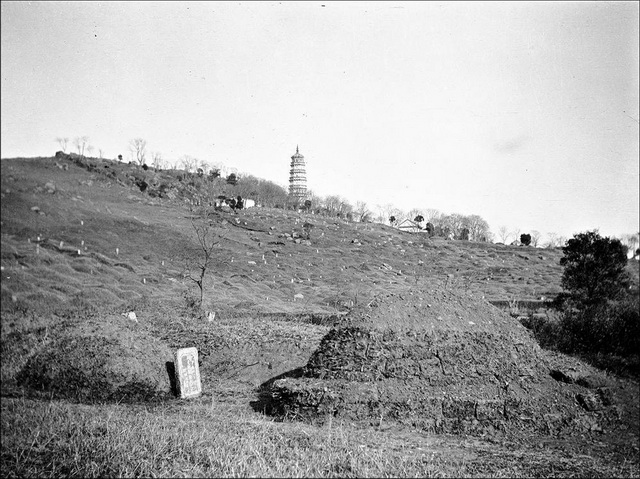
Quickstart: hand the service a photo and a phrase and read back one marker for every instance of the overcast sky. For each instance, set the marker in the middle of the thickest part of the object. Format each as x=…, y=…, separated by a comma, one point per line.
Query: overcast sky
x=523, y=113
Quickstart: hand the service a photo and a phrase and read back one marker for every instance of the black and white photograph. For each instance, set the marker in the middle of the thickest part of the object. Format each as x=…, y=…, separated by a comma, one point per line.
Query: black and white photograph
x=320, y=239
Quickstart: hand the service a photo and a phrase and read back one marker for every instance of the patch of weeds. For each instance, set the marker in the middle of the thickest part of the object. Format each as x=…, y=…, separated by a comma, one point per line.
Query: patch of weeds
x=606, y=336
x=546, y=330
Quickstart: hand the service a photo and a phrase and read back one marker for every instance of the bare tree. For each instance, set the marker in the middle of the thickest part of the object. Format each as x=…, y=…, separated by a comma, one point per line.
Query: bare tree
x=385, y=212
x=398, y=213
x=332, y=204
x=535, y=238
x=156, y=160
x=432, y=215
x=413, y=213
x=138, y=148
x=221, y=168
x=516, y=236
x=631, y=241
x=362, y=212
x=188, y=163
x=89, y=149
x=63, y=142
x=81, y=143
x=555, y=240
x=503, y=234
x=204, y=164
x=345, y=208
x=100, y=153
x=478, y=228
x=316, y=200
x=388, y=210
x=198, y=265
x=455, y=222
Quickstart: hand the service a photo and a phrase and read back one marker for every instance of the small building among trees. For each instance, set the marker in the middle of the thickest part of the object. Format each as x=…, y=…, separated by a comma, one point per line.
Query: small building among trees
x=409, y=226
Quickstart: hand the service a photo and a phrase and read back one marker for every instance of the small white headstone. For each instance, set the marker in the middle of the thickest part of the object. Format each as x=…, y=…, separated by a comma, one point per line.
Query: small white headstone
x=187, y=373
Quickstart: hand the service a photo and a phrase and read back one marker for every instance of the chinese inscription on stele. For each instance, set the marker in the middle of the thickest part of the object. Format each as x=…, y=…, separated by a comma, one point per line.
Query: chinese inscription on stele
x=187, y=373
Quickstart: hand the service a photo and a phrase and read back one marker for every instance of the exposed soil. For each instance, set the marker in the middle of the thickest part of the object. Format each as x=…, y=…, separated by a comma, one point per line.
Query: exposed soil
x=445, y=362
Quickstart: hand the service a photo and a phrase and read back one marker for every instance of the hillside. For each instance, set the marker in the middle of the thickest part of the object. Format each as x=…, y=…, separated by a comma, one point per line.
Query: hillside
x=376, y=322
x=261, y=267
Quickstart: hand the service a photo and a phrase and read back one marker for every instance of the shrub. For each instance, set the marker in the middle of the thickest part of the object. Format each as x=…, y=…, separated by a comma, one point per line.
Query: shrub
x=594, y=269
x=232, y=179
x=546, y=330
x=599, y=311
x=612, y=327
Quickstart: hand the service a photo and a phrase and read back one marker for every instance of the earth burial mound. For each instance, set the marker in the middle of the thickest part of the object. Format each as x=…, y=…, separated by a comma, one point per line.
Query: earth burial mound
x=107, y=359
x=443, y=362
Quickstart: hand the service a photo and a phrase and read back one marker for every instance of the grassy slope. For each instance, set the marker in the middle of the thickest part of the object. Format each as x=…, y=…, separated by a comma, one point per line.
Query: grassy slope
x=96, y=214
x=331, y=273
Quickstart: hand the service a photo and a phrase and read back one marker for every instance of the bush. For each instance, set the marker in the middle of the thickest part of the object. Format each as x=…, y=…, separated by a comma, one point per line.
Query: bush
x=611, y=328
x=606, y=335
x=547, y=330
x=599, y=316
x=594, y=269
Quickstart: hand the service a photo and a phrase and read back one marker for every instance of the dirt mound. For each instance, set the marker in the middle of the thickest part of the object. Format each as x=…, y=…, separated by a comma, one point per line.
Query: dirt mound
x=100, y=360
x=443, y=362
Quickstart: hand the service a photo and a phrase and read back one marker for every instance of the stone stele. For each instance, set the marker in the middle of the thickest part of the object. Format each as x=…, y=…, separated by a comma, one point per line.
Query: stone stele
x=187, y=373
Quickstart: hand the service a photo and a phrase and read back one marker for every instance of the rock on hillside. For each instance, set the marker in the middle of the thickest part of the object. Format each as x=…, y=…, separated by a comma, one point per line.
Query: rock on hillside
x=440, y=361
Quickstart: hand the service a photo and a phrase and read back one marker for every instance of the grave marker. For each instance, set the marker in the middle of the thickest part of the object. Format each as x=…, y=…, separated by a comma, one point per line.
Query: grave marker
x=187, y=373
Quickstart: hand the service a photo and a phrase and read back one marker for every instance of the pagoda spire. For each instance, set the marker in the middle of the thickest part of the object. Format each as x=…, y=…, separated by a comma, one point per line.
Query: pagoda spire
x=298, y=177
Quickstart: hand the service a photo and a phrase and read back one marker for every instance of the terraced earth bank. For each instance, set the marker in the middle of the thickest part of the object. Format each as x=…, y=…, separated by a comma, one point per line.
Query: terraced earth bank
x=443, y=362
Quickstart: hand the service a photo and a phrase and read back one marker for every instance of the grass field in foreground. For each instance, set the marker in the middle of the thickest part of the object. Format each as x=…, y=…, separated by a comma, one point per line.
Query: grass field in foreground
x=209, y=438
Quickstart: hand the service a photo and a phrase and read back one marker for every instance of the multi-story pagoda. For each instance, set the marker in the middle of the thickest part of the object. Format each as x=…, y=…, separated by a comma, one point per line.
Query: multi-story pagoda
x=298, y=177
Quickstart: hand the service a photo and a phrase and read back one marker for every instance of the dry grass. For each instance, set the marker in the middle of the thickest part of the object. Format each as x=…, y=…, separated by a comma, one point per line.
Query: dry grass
x=210, y=439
